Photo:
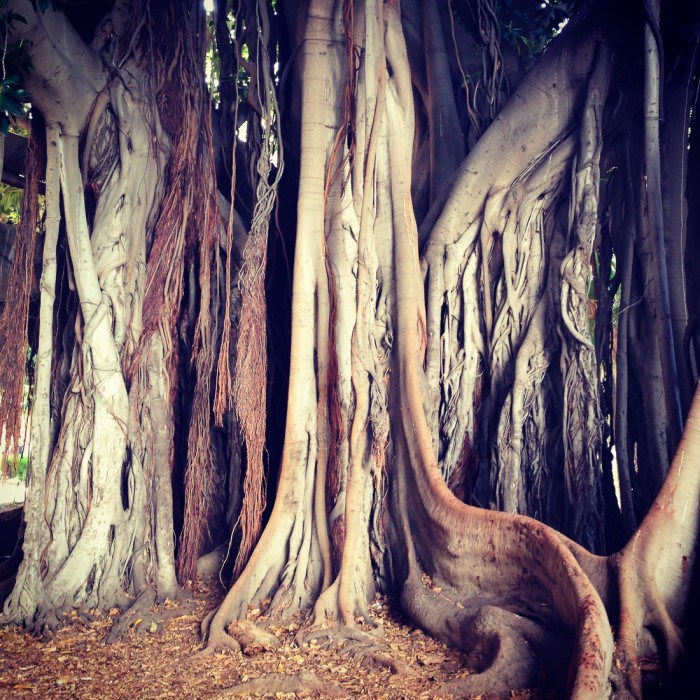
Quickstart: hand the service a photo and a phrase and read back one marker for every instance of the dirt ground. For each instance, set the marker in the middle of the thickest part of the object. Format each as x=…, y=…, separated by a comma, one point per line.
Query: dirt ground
x=159, y=659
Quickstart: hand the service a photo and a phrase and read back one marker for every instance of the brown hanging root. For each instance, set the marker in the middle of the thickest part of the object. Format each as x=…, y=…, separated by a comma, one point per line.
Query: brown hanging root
x=329, y=475
x=14, y=318
x=165, y=271
x=199, y=477
x=223, y=398
x=189, y=211
x=250, y=378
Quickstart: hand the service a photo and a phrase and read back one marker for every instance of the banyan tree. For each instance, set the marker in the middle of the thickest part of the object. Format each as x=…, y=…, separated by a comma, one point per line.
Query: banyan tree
x=364, y=296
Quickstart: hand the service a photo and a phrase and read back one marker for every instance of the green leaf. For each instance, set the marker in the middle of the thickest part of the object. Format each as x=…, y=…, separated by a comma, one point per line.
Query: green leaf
x=22, y=95
x=10, y=104
x=11, y=79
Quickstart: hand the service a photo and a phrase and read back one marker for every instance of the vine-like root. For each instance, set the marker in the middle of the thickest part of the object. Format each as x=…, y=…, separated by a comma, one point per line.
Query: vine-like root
x=142, y=617
x=303, y=684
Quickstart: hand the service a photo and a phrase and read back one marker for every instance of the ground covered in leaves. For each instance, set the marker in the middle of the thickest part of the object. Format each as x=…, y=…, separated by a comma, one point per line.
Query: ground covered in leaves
x=158, y=658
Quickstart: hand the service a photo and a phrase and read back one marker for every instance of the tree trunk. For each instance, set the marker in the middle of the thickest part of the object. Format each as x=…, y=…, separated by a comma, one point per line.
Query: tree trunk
x=99, y=508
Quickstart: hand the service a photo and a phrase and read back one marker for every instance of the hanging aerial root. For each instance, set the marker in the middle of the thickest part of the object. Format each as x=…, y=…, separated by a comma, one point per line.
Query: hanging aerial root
x=14, y=317
x=204, y=226
x=223, y=397
x=250, y=378
x=250, y=385
x=165, y=271
x=199, y=485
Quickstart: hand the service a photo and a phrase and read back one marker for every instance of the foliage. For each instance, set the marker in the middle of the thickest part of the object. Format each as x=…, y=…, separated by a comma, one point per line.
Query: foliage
x=16, y=63
x=212, y=63
x=18, y=467
x=10, y=203
x=530, y=31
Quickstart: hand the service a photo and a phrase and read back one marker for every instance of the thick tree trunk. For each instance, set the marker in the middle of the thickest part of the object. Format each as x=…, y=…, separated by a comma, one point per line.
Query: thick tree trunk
x=503, y=275
x=678, y=94
x=99, y=509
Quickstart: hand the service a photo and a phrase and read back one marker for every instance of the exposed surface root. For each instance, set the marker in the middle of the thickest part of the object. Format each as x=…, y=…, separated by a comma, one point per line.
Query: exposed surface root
x=337, y=635
x=218, y=640
x=133, y=617
x=367, y=645
x=143, y=617
x=643, y=618
x=159, y=665
x=46, y=622
x=252, y=638
x=504, y=648
x=303, y=684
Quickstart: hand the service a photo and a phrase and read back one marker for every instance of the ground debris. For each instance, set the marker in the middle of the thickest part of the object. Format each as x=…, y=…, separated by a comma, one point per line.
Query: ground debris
x=304, y=684
x=77, y=664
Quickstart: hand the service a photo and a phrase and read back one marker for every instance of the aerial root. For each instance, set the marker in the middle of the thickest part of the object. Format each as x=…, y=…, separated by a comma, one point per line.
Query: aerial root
x=303, y=684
